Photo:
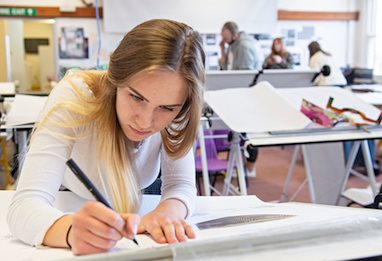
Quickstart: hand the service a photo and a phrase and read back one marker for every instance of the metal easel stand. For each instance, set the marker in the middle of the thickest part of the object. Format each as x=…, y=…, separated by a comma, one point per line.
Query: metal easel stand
x=368, y=164
x=284, y=195
x=348, y=170
x=235, y=160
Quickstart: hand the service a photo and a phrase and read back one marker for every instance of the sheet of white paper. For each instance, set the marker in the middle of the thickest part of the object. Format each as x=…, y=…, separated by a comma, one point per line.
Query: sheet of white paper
x=25, y=109
x=257, y=109
x=303, y=218
x=368, y=87
x=7, y=88
x=320, y=96
x=309, y=220
x=374, y=98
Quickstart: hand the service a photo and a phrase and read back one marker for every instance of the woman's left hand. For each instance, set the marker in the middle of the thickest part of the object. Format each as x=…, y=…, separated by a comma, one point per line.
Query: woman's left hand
x=166, y=223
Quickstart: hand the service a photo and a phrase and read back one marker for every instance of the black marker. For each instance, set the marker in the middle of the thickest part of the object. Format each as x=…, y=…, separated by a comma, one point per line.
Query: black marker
x=89, y=185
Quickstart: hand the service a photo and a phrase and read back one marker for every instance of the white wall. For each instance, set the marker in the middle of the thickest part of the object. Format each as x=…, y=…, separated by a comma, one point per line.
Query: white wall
x=337, y=37
x=322, y=5
x=344, y=39
x=15, y=32
x=121, y=16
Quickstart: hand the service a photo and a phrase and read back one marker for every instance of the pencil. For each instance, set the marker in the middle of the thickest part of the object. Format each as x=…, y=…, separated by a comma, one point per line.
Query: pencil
x=90, y=186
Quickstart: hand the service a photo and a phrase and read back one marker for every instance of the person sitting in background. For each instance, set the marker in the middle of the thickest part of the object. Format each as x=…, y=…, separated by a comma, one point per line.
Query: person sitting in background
x=319, y=58
x=279, y=58
x=241, y=53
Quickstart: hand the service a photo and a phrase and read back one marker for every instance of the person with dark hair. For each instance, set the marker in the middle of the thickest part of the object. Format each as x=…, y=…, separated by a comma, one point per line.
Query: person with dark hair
x=279, y=58
x=121, y=126
x=318, y=58
x=240, y=54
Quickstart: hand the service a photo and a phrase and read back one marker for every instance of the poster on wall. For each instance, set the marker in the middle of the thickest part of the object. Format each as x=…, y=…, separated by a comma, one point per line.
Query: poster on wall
x=73, y=44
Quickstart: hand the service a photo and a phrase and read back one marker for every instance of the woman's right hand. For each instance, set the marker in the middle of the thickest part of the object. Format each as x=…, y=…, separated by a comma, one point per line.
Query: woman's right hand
x=97, y=228
x=277, y=59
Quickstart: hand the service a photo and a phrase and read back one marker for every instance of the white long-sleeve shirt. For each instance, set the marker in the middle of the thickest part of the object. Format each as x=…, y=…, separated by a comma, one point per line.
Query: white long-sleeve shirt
x=317, y=61
x=44, y=170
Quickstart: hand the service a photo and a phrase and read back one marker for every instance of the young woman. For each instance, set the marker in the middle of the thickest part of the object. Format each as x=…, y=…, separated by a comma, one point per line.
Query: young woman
x=317, y=59
x=279, y=58
x=121, y=127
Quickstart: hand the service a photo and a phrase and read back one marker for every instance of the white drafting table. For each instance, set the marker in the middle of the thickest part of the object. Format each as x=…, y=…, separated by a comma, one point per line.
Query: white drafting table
x=287, y=78
x=374, y=98
x=217, y=80
x=274, y=113
x=7, y=89
x=312, y=232
x=359, y=136
x=24, y=112
x=370, y=93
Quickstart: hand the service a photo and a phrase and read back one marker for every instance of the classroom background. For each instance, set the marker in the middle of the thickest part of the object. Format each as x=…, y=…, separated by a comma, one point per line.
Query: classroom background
x=42, y=40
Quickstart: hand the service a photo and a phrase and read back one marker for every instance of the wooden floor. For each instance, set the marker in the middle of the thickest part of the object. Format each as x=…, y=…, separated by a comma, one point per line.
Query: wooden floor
x=272, y=169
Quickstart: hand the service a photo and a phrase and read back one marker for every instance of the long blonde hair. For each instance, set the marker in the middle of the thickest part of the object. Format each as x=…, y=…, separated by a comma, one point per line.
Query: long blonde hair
x=157, y=44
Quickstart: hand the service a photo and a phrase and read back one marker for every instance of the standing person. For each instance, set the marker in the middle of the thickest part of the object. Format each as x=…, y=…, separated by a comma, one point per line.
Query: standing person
x=317, y=59
x=240, y=53
x=121, y=126
x=279, y=58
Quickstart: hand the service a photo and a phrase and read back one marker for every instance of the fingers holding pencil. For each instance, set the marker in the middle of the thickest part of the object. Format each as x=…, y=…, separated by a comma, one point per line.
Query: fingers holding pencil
x=104, y=212
x=97, y=228
x=131, y=226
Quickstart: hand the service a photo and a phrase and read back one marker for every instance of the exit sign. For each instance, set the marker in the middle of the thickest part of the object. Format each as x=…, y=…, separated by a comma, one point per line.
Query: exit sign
x=15, y=11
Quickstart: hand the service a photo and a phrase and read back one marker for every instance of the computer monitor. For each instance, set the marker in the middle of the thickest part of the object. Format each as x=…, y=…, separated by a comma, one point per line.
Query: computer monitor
x=217, y=80
x=287, y=78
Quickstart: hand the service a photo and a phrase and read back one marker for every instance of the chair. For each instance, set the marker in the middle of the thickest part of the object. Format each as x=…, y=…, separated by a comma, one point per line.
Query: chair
x=215, y=165
x=222, y=144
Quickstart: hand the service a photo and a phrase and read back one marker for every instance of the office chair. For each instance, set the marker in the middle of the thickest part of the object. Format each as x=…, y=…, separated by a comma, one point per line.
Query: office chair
x=222, y=142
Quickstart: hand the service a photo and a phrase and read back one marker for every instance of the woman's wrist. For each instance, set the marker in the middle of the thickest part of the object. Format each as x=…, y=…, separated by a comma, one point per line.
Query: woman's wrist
x=67, y=237
x=175, y=206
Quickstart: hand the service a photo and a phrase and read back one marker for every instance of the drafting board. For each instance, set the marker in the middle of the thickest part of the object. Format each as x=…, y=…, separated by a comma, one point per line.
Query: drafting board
x=217, y=80
x=285, y=78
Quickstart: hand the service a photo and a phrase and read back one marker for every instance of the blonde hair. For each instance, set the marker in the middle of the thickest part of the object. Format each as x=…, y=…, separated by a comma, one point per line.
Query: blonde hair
x=154, y=45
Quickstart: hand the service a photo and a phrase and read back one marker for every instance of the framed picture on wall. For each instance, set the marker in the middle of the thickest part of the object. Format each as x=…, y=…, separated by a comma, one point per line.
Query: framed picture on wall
x=73, y=44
